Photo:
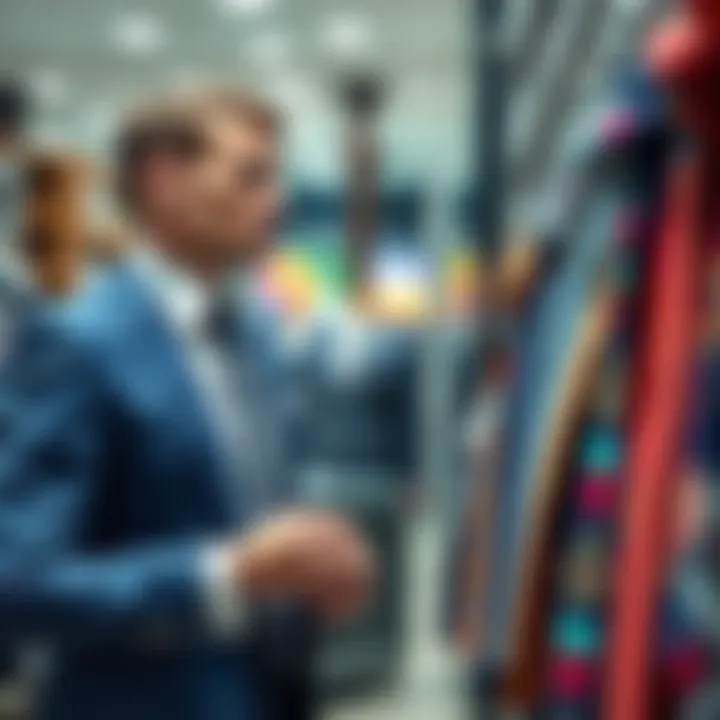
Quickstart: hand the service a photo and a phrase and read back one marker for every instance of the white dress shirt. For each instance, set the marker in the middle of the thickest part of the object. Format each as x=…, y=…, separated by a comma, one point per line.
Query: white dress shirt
x=186, y=301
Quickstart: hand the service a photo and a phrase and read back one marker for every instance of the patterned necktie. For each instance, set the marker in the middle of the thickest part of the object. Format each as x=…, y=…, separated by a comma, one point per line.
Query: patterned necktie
x=585, y=547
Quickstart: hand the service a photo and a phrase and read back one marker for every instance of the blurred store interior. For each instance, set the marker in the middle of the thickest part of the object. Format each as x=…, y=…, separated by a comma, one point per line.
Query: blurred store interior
x=453, y=184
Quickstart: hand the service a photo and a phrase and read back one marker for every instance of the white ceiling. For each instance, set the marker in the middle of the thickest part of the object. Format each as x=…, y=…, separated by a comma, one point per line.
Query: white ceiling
x=69, y=49
x=84, y=77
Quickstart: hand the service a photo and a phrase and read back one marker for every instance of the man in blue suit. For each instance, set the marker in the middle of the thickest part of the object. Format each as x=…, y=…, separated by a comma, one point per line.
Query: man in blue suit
x=145, y=533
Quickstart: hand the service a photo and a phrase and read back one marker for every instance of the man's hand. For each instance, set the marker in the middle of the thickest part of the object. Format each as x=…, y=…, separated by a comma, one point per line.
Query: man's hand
x=316, y=557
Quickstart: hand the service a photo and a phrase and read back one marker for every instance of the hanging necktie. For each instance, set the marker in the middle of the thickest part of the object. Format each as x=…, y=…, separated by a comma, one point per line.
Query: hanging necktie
x=684, y=658
x=596, y=480
x=655, y=448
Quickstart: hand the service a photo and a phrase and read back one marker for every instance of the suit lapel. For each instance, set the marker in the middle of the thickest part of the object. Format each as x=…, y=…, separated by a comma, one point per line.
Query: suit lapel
x=162, y=368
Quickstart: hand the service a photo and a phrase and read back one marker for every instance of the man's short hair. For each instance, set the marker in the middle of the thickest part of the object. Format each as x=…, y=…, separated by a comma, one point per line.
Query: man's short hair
x=176, y=124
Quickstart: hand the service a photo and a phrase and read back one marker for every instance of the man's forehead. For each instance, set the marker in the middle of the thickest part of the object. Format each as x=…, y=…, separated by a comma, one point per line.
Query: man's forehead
x=236, y=134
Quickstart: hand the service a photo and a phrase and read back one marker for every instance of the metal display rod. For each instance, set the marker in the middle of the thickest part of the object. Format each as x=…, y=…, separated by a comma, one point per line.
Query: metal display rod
x=362, y=96
x=490, y=118
x=491, y=94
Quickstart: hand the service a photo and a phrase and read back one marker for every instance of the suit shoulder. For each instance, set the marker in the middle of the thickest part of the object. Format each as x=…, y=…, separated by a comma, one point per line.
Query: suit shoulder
x=65, y=334
x=49, y=356
x=85, y=314
x=96, y=317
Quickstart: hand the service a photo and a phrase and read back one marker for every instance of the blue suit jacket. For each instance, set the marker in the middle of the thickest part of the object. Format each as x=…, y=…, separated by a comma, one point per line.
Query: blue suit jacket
x=110, y=490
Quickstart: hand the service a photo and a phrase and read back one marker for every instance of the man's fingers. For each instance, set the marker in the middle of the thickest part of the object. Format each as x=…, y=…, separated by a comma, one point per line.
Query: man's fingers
x=314, y=555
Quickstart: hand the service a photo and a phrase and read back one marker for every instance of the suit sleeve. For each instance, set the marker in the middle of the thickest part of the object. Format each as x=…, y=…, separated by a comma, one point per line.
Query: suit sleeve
x=53, y=443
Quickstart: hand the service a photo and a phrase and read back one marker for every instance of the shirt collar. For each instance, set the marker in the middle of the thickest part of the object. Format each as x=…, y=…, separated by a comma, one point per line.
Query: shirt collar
x=14, y=270
x=185, y=298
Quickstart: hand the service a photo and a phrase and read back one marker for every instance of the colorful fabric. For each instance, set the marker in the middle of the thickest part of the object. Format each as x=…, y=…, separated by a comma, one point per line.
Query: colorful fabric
x=578, y=239
x=630, y=458
x=684, y=659
x=655, y=445
x=587, y=528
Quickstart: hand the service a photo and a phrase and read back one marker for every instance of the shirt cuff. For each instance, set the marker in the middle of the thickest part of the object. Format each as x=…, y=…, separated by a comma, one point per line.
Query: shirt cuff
x=224, y=603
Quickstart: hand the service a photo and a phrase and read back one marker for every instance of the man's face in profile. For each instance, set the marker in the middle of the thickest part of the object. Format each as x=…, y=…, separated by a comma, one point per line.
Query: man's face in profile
x=228, y=199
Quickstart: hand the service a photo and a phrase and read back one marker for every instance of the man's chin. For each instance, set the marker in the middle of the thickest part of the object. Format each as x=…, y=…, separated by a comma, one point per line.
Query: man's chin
x=255, y=252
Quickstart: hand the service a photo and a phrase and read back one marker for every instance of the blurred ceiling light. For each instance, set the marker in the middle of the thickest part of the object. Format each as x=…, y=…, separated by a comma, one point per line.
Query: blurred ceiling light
x=246, y=6
x=348, y=34
x=49, y=86
x=139, y=34
x=270, y=49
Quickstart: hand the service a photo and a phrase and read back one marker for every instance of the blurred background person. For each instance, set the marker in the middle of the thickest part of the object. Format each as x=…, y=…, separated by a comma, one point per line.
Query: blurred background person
x=14, y=281
x=13, y=146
